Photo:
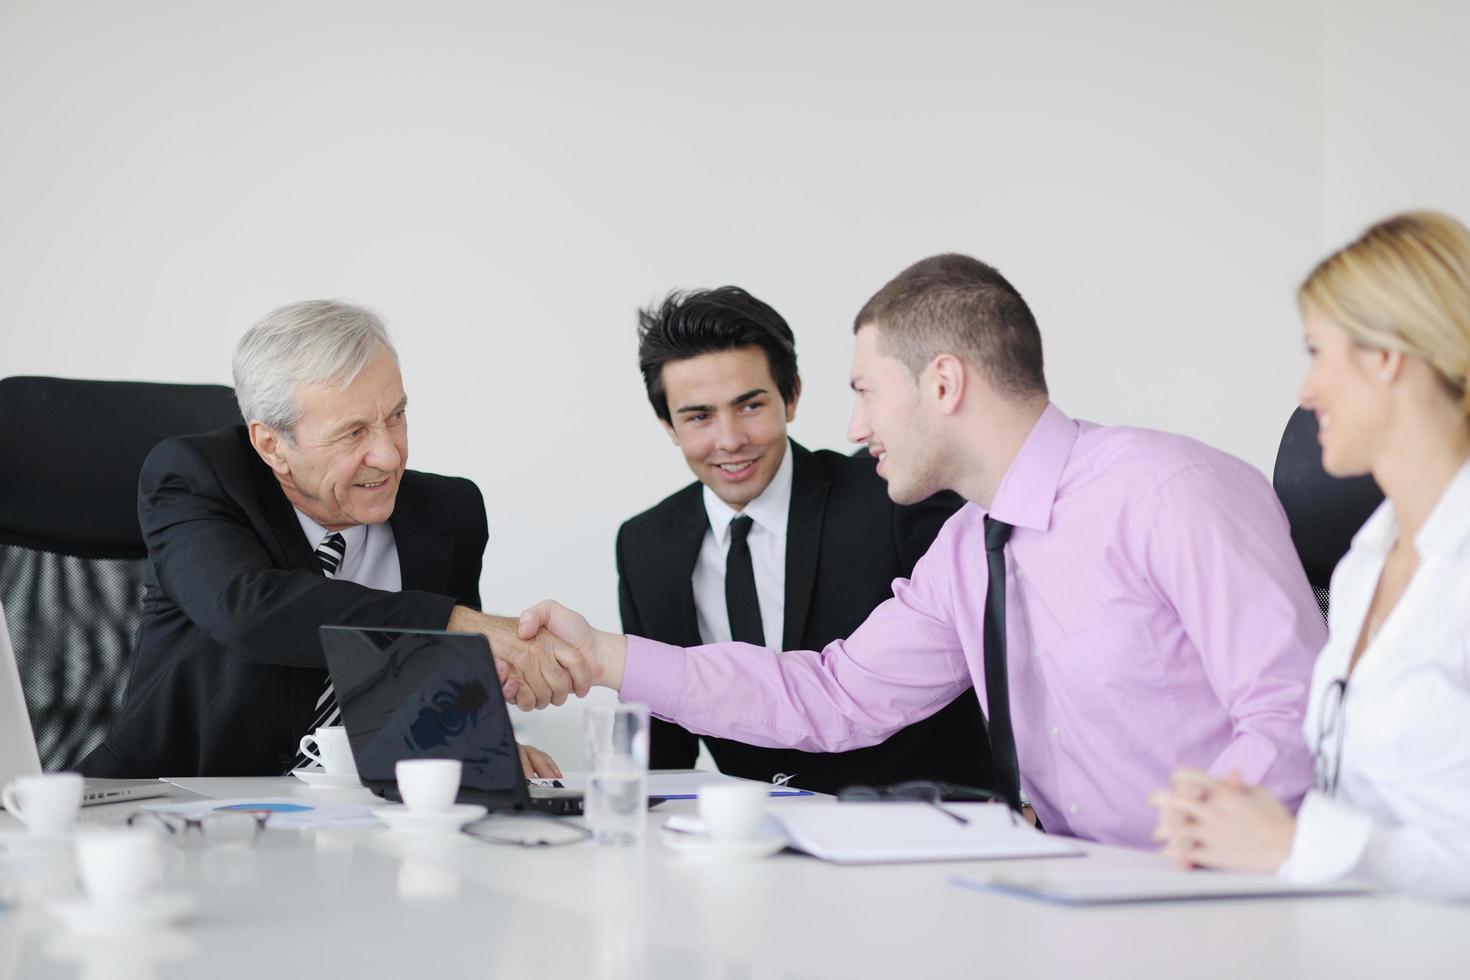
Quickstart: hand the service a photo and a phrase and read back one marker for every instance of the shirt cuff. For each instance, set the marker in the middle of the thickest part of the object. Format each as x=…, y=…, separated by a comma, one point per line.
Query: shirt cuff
x=1260, y=763
x=1329, y=843
x=1253, y=756
x=653, y=674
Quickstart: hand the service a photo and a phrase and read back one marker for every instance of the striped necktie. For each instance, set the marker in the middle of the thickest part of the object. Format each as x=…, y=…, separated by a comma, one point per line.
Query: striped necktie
x=329, y=556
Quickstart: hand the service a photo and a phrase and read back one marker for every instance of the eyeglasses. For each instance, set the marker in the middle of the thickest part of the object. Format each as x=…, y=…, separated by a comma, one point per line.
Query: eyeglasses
x=923, y=791
x=1331, y=725
x=238, y=827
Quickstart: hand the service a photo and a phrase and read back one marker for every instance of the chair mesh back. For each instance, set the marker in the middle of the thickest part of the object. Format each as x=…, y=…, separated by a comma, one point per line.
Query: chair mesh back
x=73, y=623
x=1321, y=595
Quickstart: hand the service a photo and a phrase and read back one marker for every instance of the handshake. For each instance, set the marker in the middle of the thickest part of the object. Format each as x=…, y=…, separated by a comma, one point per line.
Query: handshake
x=549, y=653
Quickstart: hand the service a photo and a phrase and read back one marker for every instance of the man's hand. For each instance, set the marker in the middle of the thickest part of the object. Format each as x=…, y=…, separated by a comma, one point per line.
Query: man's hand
x=531, y=669
x=1206, y=822
x=581, y=650
x=538, y=764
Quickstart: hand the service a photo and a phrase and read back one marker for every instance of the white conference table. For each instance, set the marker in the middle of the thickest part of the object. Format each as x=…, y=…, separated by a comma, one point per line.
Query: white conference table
x=367, y=902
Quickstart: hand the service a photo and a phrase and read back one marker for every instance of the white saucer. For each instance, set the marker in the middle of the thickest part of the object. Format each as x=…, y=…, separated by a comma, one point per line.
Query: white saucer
x=702, y=848
x=400, y=817
x=150, y=911
x=318, y=778
x=22, y=843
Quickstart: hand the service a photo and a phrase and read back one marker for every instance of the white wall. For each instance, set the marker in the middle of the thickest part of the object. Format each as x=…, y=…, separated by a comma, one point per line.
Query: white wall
x=1397, y=86
x=506, y=182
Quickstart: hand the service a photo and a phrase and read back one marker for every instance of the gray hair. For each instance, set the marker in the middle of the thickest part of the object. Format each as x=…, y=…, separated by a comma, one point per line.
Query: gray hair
x=319, y=341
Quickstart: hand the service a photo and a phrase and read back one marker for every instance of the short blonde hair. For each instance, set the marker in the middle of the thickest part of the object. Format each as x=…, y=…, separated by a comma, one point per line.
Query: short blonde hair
x=1403, y=285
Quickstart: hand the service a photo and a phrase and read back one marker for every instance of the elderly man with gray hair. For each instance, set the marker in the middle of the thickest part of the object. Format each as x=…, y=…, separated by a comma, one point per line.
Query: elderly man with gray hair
x=260, y=533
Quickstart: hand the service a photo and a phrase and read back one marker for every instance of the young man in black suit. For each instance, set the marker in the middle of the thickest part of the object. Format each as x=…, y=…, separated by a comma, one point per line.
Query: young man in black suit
x=773, y=544
x=260, y=533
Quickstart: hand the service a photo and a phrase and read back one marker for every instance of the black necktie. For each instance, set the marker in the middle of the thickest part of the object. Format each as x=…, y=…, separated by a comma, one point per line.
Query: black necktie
x=740, y=598
x=997, y=688
x=329, y=555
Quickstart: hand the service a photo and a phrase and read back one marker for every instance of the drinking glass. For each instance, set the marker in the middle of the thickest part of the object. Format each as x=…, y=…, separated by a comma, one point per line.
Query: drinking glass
x=617, y=780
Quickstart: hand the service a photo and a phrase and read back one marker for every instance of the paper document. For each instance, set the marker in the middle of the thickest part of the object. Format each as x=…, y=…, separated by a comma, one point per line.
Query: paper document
x=1164, y=885
x=870, y=833
x=678, y=785
x=285, y=811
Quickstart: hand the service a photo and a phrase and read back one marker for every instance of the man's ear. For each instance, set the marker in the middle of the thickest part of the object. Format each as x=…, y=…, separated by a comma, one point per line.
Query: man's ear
x=669, y=428
x=268, y=443
x=947, y=379
x=795, y=397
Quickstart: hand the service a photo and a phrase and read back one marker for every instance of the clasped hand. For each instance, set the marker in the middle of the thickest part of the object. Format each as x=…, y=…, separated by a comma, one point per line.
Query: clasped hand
x=1212, y=823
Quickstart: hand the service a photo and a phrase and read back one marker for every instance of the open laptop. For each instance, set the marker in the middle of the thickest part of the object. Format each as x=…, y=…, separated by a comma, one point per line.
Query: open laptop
x=18, y=755
x=429, y=694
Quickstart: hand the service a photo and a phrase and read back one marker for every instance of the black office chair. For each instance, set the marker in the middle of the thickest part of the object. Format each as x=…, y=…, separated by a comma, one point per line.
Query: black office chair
x=1324, y=511
x=71, y=553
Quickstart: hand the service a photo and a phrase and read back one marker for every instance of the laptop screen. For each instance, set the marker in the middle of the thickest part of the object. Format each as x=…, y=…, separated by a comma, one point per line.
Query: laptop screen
x=422, y=695
x=18, y=755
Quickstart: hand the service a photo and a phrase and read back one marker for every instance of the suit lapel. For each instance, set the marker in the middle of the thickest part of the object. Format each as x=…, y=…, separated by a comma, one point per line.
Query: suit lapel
x=281, y=518
x=680, y=556
x=809, y=486
x=424, y=555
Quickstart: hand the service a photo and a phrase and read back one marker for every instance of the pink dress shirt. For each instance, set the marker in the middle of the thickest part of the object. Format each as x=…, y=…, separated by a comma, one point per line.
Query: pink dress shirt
x=1157, y=617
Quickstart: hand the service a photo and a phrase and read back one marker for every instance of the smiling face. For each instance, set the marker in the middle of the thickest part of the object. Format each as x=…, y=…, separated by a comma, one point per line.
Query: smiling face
x=1340, y=389
x=351, y=447
x=729, y=420
x=887, y=415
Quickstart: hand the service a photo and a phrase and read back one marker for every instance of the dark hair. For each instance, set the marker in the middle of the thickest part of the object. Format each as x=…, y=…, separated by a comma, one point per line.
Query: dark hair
x=705, y=321
x=956, y=304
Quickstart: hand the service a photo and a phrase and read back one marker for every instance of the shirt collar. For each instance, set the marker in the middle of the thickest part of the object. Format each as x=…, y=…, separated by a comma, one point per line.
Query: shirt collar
x=1448, y=526
x=352, y=536
x=1029, y=488
x=770, y=510
x=1445, y=532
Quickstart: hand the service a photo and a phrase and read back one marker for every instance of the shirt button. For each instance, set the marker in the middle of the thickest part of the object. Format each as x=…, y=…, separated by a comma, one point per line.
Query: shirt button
x=1072, y=808
x=1055, y=731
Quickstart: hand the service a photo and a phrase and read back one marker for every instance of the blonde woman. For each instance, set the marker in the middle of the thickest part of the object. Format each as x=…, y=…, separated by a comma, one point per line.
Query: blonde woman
x=1387, y=323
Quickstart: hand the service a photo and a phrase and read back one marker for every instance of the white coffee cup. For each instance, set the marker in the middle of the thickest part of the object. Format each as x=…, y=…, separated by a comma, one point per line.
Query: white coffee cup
x=428, y=785
x=46, y=804
x=733, y=811
x=118, y=864
x=333, y=750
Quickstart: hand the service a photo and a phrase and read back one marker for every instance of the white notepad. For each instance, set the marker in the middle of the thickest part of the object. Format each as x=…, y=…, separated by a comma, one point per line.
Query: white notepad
x=1112, y=888
x=873, y=833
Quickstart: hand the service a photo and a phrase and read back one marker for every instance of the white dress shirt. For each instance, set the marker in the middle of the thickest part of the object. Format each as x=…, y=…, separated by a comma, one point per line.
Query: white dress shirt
x=371, y=558
x=767, y=540
x=1400, y=818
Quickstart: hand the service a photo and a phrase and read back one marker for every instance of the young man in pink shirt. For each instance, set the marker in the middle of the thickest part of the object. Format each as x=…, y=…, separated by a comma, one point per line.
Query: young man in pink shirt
x=1126, y=602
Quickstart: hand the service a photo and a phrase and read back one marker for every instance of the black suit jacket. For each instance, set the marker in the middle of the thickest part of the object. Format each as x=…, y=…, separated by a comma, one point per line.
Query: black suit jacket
x=228, y=665
x=845, y=544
